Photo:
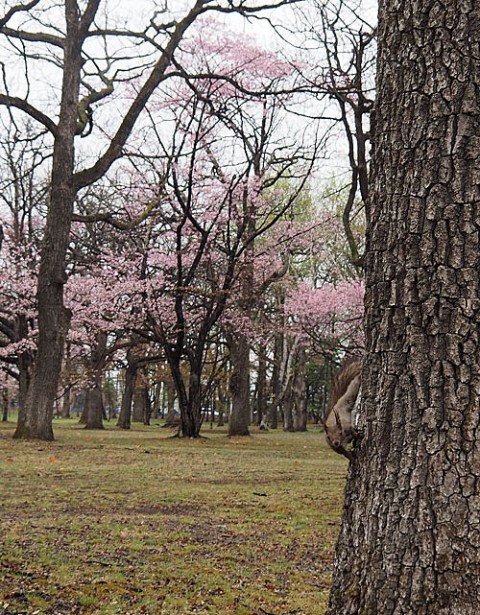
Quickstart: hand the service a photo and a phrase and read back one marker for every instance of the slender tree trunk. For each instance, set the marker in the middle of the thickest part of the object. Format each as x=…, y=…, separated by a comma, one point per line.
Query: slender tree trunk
x=147, y=406
x=409, y=542
x=4, y=405
x=287, y=409
x=125, y=417
x=25, y=368
x=299, y=393
x=262, y=385
x=239, y=385
x=275, y=383
x=157, y=409
x=222, y=404
x=282, y=379
x=238, y=341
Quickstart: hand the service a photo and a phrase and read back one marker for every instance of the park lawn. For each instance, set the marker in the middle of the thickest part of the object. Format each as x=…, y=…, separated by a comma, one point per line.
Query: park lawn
x=140, y=522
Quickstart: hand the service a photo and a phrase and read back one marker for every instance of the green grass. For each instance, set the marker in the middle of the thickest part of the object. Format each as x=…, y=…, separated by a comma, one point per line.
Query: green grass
x=139, y=522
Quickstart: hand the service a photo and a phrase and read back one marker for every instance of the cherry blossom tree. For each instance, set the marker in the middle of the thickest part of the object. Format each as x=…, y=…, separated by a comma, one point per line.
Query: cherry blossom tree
x=18, y=322
x=228, y=159
x=22, y=199
x=75, y=54
x=331, y=316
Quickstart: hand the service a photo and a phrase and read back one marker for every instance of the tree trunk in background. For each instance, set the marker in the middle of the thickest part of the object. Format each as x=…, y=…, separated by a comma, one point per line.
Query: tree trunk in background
x=287, y=403
x=141, y=400
x=409, y=542
x=66, y=403
x=25, y=368
x=147, y=406
x=138, y=412
x=222, y=404
x=282, y=379
x=275, y=384
x=262, y=385
x=299, y=392
x=192, y=412
x=171, y=395
x=239, y=385
x=157, y=409
x=125, y=416
x=238, y=341
x=4, y=405
x=94, y=408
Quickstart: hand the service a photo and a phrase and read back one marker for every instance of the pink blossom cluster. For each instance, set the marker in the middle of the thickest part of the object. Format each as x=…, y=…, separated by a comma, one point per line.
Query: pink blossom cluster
x=331, y=311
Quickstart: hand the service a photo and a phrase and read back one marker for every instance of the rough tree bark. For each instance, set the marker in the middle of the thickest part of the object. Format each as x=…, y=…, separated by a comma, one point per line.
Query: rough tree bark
x=409, y=542
x=53, y=317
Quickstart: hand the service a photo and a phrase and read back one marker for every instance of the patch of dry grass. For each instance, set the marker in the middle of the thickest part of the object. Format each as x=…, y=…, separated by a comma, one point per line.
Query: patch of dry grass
x=139, y=522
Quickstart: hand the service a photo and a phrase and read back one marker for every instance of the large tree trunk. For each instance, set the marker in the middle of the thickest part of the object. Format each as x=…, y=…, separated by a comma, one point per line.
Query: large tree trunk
x=53, y=318
x=409, y=542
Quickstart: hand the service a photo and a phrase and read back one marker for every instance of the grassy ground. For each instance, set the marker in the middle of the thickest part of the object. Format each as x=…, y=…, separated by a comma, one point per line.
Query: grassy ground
x=139, y=522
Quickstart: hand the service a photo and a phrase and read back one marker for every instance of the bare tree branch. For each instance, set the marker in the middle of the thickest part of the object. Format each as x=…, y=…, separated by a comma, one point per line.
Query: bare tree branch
x=158, y=74
x=29, y=109
x=17, y=9
x=34, y=37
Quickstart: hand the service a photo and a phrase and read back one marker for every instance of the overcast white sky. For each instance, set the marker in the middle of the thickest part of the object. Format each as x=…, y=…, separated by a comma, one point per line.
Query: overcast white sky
x=135, y=14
